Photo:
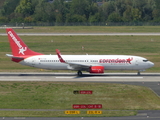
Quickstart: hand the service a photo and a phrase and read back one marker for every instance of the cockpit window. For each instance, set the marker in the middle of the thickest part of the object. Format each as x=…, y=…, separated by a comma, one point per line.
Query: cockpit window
x=145, y=60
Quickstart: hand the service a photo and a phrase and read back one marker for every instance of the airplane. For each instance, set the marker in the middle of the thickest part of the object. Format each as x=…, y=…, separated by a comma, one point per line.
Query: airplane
x=94, y=64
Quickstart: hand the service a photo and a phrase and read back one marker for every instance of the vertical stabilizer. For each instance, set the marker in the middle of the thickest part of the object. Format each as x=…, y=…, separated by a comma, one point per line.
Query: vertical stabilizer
x=18, y=47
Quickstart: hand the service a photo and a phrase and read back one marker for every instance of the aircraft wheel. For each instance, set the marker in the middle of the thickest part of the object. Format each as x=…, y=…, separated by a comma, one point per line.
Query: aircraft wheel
x=79, y=73
x=138, y=73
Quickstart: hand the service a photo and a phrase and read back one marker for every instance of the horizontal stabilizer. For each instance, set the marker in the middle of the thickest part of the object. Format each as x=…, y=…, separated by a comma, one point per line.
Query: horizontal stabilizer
x=15, y=57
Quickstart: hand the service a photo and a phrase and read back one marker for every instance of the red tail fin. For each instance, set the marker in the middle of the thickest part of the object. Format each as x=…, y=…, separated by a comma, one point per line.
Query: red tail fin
x=19, y=48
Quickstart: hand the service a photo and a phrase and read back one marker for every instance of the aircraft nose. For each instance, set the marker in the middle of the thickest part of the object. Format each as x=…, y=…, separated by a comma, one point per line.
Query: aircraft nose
x=151, y=64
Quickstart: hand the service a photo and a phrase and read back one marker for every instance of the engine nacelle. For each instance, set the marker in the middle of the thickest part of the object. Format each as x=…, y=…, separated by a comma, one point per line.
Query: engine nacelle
x=96, y=69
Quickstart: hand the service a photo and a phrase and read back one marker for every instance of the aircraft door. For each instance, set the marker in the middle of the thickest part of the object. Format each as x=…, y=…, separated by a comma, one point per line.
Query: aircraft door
x=136, y=62
x=34, y=61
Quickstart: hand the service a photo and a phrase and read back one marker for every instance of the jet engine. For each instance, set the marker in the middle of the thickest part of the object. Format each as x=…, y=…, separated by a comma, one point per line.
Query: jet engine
x=96, y=69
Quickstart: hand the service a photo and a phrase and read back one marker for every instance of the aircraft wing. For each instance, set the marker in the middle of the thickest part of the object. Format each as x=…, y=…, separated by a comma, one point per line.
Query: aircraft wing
x=76, y=66
x=72, y=65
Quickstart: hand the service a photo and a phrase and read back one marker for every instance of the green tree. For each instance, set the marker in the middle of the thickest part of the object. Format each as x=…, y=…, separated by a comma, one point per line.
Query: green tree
x=148, y=9
x=80, y=7
x=28, y=19
x=114, y=17
x=25, y=8
x=3, y=20
x=9, y=7
x=156, y=11
x=1, y=3
x=44, y=12
x=120, y=7
x=75, y=18
x=61, y=9
x=127, y=16
x=93, y=8
x=136, y=14
x=156, y=15
x=107, y=8
x=95, y=18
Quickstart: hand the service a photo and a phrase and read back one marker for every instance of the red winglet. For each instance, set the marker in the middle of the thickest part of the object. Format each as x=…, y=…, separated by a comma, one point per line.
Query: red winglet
x=59, y=56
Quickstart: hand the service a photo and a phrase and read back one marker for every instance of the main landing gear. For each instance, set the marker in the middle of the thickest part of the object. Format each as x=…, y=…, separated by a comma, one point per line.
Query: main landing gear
x=138, y=73
x=79, y=73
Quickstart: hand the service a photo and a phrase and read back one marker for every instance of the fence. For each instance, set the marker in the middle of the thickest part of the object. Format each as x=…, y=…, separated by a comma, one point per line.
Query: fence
x=82, y=24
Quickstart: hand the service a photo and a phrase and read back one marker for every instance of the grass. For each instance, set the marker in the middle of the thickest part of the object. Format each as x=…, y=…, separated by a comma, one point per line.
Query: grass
x=92, y=29
x=59, y=96
x=145, y=46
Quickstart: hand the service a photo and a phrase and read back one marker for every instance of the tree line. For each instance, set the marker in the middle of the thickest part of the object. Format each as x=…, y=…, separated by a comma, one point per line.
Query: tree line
x=79, y=11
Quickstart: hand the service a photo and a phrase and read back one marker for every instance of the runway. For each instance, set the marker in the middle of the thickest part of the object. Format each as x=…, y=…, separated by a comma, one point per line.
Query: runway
x=85, y=34
x=86, y=77
x=151, y=80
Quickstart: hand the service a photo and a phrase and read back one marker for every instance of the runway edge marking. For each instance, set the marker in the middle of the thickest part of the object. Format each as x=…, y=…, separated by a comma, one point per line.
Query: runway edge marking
x=104, y=77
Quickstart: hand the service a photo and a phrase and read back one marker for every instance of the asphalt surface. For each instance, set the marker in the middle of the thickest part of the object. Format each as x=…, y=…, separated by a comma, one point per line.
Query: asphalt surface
x=151, y=80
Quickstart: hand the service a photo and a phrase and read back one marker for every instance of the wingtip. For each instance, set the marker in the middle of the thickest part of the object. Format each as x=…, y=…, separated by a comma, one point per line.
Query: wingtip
x=57, y=51
x=59, y=56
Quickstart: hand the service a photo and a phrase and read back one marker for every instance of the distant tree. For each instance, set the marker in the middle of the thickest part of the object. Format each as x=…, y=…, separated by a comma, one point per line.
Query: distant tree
x=156, y=15
x=127, y=16
x=136, y=14
x=1, y=3
x=148, y=10
x=17, y=20
x=61, y=9
x=80, y=7
x=120, y=7
x=114, y=17
x=3, y=20
x=128, y=3
x=44, y=12
x=75, y=18
x=25, y=8
x=157, y=4
x=95, y=18
x=156, y=11
x=93, y=8
x=144, y=7
x=28, y=19
x=9, y=7
x=107, y=9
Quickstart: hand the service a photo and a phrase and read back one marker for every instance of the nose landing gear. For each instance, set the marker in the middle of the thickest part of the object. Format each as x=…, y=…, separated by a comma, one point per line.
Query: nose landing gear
x=79, y=73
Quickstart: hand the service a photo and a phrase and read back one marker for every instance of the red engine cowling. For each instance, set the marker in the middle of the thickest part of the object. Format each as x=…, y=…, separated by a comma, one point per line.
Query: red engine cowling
x=96, y=69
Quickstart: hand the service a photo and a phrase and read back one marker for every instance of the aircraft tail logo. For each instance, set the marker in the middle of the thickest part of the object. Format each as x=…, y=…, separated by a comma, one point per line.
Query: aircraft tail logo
x=19, y=48
x=18, y=43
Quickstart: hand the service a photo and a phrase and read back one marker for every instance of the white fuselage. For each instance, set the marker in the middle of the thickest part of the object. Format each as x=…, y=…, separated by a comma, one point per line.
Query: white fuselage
x=110, y=62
